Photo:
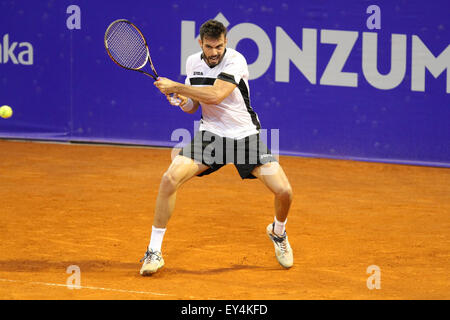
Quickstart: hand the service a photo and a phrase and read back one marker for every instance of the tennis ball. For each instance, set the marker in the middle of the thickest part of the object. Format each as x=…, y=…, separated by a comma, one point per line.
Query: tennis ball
x=6, y=112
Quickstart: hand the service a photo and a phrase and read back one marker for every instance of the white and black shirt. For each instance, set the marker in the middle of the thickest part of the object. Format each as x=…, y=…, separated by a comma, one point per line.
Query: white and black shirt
x=233, y=117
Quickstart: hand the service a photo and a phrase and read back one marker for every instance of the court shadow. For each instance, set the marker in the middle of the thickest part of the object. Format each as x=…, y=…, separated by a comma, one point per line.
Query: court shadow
x=20, y=265
x=32, y=266
x=233, y=268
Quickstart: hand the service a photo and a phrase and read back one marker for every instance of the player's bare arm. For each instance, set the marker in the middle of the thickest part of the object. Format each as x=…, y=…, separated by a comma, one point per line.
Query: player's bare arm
x=209, y=95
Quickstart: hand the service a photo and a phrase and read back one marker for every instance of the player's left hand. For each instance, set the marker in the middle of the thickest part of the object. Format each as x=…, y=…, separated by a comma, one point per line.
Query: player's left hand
x=166, y=86
x=177, y=99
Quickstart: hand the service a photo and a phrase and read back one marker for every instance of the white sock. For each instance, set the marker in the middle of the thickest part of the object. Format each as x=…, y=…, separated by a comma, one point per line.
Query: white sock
x=279, y=227
x=156, y=239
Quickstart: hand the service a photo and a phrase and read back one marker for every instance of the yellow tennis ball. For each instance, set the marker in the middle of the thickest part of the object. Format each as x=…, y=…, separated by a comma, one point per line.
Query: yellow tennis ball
x=6, y=112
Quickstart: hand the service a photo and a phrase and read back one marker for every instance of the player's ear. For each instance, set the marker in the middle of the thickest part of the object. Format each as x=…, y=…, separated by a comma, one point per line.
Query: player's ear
x=200, y=42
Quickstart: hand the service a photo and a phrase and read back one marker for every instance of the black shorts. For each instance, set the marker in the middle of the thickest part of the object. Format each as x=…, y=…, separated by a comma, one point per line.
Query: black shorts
x=216, y=151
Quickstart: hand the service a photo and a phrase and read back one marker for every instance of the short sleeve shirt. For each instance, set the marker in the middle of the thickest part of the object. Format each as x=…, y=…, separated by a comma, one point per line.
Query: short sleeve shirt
x=233, y=117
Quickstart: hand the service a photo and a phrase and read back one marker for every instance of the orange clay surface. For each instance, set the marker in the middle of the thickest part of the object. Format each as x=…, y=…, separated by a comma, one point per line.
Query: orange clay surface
x=92, y=206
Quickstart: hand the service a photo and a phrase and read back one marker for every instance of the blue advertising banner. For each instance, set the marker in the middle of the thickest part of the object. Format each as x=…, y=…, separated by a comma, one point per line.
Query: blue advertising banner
x=346, y=79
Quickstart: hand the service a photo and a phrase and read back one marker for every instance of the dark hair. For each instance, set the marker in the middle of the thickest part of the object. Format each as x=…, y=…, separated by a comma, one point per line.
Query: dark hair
x=212, y=29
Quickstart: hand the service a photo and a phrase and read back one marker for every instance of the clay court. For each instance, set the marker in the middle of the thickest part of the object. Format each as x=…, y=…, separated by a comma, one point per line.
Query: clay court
x=92, y=206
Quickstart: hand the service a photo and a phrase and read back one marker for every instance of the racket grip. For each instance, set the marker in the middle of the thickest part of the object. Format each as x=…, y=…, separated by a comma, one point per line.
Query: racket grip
x=173, y=100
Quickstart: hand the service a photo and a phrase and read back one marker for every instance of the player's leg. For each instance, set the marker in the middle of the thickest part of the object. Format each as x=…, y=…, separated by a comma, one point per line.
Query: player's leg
x=273, y=176
x=181, y=170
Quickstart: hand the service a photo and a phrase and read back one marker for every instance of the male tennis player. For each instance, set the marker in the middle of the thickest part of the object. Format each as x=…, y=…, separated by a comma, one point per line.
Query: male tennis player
x=217, y=80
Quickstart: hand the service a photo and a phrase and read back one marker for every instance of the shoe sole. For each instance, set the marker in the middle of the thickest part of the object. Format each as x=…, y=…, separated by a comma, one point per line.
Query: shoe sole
x=148, y=273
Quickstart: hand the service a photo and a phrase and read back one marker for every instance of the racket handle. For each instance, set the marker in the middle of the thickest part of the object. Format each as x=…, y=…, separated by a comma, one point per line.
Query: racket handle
x=173, y=100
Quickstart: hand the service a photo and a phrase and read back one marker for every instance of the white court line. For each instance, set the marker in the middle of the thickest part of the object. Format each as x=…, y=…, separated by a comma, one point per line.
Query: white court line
x=84, y=287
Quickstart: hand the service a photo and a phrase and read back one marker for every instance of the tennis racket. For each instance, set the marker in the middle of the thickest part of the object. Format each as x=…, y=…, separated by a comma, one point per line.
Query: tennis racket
x=127, y=47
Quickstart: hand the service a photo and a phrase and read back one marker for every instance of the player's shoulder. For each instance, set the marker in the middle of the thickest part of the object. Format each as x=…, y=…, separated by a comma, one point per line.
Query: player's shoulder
x=235, y=56
x=194, y=58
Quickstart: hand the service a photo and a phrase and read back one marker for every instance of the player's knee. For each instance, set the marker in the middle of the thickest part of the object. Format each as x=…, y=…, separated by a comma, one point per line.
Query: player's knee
x=168, y=183
x=285, y=192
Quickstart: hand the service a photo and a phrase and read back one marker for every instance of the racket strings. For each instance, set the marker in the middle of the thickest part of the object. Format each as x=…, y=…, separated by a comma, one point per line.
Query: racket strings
x=126, y=45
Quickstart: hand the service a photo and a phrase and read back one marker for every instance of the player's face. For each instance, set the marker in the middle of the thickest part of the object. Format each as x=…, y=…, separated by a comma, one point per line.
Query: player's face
x=213, y=49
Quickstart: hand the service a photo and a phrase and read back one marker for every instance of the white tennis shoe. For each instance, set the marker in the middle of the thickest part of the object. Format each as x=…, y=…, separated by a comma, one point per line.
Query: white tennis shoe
x=153, y=261
x=283, y=250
